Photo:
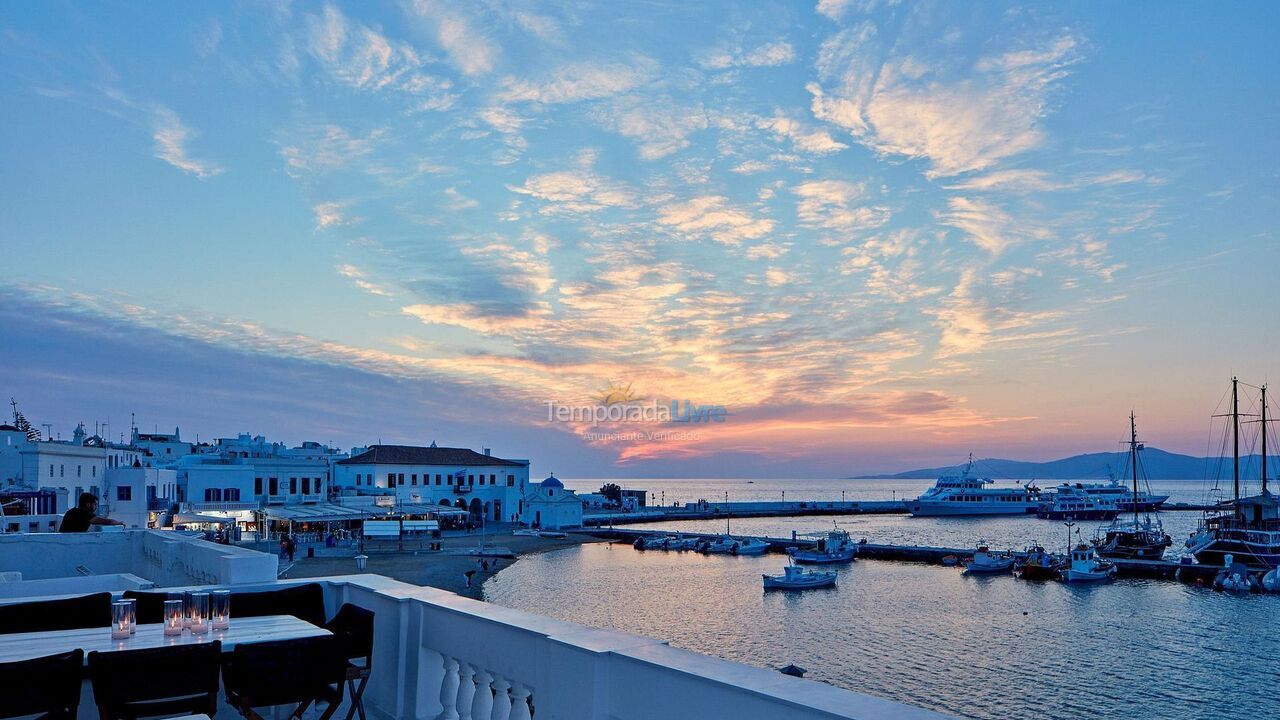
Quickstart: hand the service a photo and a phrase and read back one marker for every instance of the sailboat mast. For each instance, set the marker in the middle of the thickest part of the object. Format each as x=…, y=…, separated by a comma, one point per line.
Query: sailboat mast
x=1235, y=441
x=1264, y=438
x=1133, y=452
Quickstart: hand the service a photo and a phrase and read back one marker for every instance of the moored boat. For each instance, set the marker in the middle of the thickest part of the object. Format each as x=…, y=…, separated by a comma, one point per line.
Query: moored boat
x=1143, y=537
x=1071, y=502
x=967, y=494
x=837, y=547
x=985, y=562
x=750, y=546
x=795, y=577
x=1086, y=566
x=1041, y=565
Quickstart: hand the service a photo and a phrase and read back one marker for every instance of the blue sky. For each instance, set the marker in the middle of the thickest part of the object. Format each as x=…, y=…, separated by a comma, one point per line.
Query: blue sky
x=882, y=235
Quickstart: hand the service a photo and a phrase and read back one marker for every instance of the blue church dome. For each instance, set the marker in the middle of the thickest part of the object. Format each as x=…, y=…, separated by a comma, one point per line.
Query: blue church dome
x=552, y=482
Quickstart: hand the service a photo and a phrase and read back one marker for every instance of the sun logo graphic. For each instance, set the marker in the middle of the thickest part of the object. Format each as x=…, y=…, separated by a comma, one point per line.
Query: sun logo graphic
x=617, y=394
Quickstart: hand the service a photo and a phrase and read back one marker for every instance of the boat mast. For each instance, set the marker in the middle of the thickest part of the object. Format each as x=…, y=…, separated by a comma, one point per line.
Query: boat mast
x=1133, y=452
x=1264, y=438
x=1235, y=441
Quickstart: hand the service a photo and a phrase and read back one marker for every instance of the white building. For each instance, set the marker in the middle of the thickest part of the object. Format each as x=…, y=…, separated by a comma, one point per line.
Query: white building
x=550, y=506
x=160, y=448
x=487, y=486
x=137, y=496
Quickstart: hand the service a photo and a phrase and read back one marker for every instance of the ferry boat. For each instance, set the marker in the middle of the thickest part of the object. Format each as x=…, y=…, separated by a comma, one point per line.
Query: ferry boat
x=1126, y=502
x=1144, y=537
x=966, y=494
x=1073, y=503
x=1244, y=528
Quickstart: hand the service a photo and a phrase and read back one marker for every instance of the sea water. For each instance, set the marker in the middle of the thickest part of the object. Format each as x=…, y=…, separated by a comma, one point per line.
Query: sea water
x=973, y=647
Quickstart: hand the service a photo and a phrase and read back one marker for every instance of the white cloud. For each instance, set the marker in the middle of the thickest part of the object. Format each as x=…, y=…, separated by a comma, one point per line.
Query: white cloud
x=958, y=124
x=477, y=319
x=325, y=147
x=660, y=127
x=470, y=51
x=329, y=214
x=987, y=225
x=360, y=278
x=579, y=81
x=575, y=191
x=171, y=137
x=713, y=216
x=768, y=55
x=833, y=204
x=802, y=138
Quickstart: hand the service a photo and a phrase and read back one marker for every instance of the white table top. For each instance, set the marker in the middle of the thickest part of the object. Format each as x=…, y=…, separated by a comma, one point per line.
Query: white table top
x=25, y=646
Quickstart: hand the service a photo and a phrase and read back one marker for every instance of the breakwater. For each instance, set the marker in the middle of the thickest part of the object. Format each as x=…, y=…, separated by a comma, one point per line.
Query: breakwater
x=746, y=509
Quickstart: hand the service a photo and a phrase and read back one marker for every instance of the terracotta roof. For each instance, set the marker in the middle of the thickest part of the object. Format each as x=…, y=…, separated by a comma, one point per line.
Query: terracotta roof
x=414, y=455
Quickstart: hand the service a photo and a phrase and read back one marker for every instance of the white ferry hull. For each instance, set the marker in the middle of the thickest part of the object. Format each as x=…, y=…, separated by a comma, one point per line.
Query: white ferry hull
x=925, y=508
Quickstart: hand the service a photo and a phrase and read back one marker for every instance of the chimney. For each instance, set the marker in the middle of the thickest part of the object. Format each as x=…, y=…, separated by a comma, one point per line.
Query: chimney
x=486, y=452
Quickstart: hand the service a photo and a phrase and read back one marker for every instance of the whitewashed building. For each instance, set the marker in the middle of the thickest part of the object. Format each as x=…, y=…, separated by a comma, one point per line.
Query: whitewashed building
x=137, y=496
x=551, y=506
x=486, y=486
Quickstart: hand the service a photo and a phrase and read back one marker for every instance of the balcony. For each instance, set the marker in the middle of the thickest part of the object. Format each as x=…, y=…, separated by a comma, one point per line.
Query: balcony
x=312, y=498
x=277, y=499
x=225, y=506
x=157, y=504
x=438, y=655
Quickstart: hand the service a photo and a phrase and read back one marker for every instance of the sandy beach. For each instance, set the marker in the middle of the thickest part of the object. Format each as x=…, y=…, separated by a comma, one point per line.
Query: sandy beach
x=444, y=569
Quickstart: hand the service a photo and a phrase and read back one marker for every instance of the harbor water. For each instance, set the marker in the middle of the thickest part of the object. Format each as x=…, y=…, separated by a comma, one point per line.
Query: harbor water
x=973, y=647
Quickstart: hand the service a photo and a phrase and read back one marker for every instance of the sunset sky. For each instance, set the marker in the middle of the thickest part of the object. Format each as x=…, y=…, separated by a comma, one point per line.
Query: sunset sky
x=881, y=235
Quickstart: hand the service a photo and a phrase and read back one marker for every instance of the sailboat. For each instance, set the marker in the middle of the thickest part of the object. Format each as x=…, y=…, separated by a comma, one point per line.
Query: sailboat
x=1246, y=529
x=1144, y=538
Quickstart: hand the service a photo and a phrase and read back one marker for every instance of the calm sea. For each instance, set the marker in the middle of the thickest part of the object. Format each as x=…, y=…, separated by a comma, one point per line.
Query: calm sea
x=985, y=647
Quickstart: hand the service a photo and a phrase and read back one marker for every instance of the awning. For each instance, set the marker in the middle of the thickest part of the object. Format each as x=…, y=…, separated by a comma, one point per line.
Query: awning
x=323, y=512
x=192, y=518
x=430, y=509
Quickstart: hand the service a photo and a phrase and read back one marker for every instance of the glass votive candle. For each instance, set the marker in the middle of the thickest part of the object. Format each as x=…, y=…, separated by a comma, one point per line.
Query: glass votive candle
x=186, y=609
x=119, y=620
x=173, y=615
x=220, y=609
x=199, y=613
x=133, y=614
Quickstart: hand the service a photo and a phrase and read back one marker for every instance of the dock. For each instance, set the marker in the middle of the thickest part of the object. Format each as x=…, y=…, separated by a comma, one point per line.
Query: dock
x=746, y=509
x=1154, y=569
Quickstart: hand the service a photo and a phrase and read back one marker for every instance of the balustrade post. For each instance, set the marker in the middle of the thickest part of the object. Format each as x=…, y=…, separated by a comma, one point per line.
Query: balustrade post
x=449, y=690
x=466, y=689
x=482, y=706
x=501, y=700
x=520, y=702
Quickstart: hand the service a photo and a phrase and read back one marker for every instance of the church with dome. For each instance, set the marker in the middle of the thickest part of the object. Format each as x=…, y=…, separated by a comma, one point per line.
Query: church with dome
x=550, y=506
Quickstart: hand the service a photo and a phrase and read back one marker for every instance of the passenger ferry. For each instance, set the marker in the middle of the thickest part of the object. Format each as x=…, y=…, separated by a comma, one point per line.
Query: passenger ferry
x=1073, y=503
x=965, y=494
x=1125, y=501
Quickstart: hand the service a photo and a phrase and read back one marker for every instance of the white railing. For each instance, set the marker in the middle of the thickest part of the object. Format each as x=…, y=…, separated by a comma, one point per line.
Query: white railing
x=444, y=657
x=277, y=499
x=313, y=498
x=225, y=505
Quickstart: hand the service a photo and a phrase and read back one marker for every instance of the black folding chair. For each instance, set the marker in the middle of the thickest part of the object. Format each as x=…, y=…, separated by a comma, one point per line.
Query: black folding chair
x=131, y=684
x=353, y=627
x=285, y=672
x=47, y=686
x=85, y=611
x=305, y=602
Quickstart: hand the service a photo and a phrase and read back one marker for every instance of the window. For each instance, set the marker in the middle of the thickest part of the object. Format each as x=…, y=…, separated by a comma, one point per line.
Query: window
x=273, y=486
x=212, y=495
x=79, y=491
x=168, y=451
x=413, y=480
x=493, y=479
x=62, y=471
x=511, y=481
x=50, y=469
x=401, y=479
x=93, y=471
x=471, y=479
x=231, y=494
x=124, y=492
x=437, y=478
x=306, y=486
x=391, y=479
x=448, y=480
x=257, y=486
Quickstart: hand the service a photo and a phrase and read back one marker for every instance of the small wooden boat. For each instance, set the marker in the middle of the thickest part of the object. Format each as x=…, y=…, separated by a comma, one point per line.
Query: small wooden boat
x=985, y=562
x=833, y=549
x=1086, y=566
x=795, y=577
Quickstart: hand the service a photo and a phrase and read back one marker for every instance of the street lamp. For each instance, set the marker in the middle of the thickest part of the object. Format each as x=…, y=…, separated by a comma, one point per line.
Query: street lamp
x=1069, y=526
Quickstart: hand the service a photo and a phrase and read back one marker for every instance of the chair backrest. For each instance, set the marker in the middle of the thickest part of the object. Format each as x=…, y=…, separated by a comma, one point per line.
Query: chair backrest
x=49, y=684
x=85, y=611
x=353, y=626
x=150, y=605
x=156, y=681
x=284, y=671
x=305, y=602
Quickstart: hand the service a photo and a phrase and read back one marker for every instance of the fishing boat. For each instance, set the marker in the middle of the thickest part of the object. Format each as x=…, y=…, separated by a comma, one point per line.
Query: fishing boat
x=1071, y=502
x=985, y=562
x=1086, y=566
x=795, y=577
x=1245, y=528
x=722, y=545
x=967, y=494
x=1041, y=565
x=1235, y=577
x=836, y=547
x=1144, y=537
x=750, y=546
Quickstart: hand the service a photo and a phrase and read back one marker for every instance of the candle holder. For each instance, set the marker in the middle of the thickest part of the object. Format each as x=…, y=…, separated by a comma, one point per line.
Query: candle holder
x=220, y=610
x=133, y=614
x=186, y=609
x=173, y=615
x=119, y=620
x=199, y=613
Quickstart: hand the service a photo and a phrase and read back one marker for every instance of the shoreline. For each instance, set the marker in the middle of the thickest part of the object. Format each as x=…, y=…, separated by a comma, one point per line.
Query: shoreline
x=443, y=569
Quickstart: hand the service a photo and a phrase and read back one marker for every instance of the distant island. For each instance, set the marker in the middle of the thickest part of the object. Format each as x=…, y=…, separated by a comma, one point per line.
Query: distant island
x=1159, y=465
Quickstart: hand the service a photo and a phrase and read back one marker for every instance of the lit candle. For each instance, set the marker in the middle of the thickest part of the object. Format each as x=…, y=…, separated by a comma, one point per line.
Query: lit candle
x=173, y=617
x=119, y=620
x=186, y=609
x=220, y=612
x=133, y=615
x=199, y=613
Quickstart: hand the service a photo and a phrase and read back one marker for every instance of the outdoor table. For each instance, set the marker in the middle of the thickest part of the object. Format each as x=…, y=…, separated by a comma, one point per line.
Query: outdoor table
x=25, y=646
